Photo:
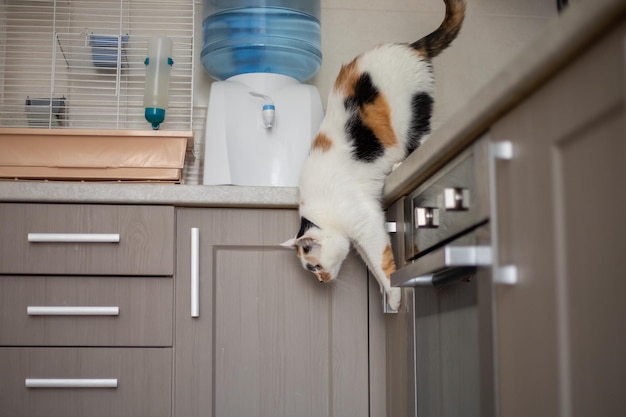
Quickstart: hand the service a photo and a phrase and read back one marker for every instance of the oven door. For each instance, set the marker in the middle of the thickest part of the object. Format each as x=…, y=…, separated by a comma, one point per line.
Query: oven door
x=450, y=343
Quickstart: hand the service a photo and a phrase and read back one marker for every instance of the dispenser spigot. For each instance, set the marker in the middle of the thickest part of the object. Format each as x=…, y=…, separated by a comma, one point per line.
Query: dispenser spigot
x=268, y=115
x=269, y=109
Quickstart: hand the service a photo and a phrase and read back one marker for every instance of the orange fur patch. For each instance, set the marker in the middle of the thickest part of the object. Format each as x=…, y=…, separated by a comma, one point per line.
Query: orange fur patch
x=422, y=52
x=377, y=116
x=346, y=80
x=388, y=264
x=322, y=142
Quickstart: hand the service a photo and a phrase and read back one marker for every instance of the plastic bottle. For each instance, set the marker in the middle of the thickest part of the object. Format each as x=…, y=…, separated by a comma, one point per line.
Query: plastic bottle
x=158, y=67
x=256, y=36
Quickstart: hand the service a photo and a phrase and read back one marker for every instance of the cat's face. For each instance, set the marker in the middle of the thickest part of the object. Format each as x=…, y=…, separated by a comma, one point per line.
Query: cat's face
x=320, y=252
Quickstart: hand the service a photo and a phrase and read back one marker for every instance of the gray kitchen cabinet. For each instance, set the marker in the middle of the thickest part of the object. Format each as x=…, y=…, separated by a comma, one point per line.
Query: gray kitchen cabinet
x=105, y=239
x=144, y=311
x=136, y=382
x=266, y=338
x=561, y=200
x=86, y=310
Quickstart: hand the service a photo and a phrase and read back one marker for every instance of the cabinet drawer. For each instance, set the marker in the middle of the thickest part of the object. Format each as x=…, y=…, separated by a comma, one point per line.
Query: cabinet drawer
x=75, y=239
x=133, y=382
x=86, y=311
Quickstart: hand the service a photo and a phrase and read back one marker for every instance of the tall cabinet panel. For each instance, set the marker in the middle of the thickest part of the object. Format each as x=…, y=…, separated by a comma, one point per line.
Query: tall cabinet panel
x=561, y=202
x=267, y=339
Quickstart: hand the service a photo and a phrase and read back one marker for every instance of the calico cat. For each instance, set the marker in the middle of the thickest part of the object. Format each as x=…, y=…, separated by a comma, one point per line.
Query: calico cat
x=378, y=112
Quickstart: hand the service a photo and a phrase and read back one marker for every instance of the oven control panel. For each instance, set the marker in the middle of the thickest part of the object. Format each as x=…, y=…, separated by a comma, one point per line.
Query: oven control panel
x=444, y=207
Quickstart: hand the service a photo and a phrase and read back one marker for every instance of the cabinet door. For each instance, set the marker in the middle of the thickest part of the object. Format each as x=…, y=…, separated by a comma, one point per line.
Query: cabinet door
x=269, y=340
x=561, y=202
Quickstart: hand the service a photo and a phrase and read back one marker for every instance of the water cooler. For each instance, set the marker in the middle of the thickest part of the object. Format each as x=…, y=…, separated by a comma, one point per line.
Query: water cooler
x=261, y=116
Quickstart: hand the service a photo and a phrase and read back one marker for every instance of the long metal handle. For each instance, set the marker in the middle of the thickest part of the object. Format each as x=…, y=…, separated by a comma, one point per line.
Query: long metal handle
x=441, y=266
x=72, y=311
x=502, y=274
x=70, y=383
x=195, y=272
x=74, y=237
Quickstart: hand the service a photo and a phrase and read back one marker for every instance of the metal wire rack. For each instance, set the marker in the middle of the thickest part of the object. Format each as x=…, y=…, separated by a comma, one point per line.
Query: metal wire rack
x=80, y=63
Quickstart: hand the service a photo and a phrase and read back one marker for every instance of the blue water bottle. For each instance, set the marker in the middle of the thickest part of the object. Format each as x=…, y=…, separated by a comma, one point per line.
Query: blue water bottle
x=261, y=36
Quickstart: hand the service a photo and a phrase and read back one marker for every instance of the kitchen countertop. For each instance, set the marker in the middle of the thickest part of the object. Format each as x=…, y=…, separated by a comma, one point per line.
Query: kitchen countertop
x=180, y=195
x=578, y=27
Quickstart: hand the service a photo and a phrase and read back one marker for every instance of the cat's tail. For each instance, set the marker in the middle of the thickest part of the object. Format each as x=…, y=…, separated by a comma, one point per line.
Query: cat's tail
x=440, y=39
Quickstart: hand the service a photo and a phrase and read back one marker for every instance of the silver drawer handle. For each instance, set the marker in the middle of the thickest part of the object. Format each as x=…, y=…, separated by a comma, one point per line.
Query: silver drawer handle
x=72, y=311
x=74, y=237
x=70, y=383
x=441, y=266
x=195, y=272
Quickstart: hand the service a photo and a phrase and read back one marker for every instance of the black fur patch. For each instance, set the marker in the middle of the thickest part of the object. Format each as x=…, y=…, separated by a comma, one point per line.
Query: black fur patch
x=366, y=145
x=364, y=93
x=364, y=90
x=422, y=108
x=305, y=224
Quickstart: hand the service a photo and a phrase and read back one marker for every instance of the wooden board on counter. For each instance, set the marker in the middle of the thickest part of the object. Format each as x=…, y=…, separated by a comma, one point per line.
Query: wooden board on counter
x=93, y=155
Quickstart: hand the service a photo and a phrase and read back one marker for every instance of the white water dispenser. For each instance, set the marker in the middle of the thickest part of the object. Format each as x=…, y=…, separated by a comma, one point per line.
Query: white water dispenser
x=261, y=115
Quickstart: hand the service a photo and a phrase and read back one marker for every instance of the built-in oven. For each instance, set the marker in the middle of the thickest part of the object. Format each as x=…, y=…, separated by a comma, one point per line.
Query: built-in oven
x=440, y=359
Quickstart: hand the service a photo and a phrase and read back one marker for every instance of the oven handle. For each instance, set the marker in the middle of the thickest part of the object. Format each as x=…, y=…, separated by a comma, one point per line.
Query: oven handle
x=442, y=266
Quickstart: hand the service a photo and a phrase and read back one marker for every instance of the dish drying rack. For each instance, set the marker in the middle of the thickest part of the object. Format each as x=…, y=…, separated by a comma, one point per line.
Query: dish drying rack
x=80, y=63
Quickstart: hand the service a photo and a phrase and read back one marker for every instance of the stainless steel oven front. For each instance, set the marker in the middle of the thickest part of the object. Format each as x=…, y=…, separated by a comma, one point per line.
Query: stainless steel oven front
x=442, y=246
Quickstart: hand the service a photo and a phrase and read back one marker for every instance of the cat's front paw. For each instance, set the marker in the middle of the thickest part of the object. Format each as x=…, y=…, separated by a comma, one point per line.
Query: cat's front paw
x=394, y=297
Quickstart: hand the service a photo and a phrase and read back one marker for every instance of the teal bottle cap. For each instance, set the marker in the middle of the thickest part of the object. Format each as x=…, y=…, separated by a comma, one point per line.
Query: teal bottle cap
x=155, y=116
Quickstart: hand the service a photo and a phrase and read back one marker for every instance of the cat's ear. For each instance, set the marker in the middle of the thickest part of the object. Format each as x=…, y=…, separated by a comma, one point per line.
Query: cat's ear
x=291, y=243
x=302, y=241
x=307, y=242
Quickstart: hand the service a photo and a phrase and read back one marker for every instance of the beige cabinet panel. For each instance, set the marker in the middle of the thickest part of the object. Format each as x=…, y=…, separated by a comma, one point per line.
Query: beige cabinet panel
x=400, y=358
x=144, y=311
x=143, y=378
x=145, y=247
x=400, y=332
x=269, y=339
x=561, y=202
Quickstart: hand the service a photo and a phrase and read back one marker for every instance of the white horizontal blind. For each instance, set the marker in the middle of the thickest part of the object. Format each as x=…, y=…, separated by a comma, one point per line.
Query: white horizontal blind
x=80, y=63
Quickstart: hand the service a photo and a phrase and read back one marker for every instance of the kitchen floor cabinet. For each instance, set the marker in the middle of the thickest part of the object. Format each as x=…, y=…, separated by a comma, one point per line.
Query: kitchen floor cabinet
x=86, y=310
x=101, y=314
x=265, y=339
x=561, y=202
